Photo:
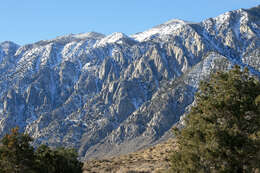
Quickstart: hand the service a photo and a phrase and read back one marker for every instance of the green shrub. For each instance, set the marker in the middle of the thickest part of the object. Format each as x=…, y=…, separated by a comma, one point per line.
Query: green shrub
x=18, y=156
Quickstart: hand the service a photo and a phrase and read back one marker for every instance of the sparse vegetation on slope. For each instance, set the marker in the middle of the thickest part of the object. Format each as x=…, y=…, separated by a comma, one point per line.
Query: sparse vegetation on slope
x=154, y=159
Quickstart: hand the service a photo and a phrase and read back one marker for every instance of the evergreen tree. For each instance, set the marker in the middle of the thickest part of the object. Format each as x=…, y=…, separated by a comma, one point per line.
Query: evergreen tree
x=58, y=160
x=16, y=153
x=222, y=131
x=18, y=156
x=45, y=159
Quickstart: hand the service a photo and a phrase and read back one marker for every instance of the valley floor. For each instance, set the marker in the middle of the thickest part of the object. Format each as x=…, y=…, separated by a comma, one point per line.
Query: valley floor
x=151, y=160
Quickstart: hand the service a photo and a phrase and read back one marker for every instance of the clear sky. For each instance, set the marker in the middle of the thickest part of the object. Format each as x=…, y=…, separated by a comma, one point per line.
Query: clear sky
x=28, y=21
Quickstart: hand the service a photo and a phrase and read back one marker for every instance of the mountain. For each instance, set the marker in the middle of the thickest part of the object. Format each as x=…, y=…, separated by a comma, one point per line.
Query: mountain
x=110, y=95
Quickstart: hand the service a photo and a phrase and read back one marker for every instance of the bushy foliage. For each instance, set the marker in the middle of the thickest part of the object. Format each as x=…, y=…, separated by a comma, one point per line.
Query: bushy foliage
x=58, y=160
x=18, y=156
x=222, y=131
x=16, y=153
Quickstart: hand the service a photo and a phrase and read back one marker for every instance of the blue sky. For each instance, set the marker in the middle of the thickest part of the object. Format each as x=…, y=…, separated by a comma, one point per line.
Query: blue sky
x=28, y=21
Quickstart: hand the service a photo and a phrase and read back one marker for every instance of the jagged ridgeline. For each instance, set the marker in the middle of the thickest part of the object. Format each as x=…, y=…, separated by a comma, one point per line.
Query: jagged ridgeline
x=108, y=95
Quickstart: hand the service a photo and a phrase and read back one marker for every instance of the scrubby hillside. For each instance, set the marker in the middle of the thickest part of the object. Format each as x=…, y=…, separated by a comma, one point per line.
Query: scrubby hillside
x=152, y=159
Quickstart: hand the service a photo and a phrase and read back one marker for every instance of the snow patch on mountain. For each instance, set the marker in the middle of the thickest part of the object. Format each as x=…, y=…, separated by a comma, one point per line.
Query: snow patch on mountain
x=89, y=35
x=116, y=37
x=82, y=36
x=161, y=30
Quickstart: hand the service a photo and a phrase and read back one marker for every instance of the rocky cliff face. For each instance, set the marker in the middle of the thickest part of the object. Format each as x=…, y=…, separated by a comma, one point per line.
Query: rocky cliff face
x=107, y=95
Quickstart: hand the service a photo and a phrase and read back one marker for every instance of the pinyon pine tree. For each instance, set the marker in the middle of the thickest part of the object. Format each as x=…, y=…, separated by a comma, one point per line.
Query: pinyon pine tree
x=18, y=156
x=16, y=153
x=222, y=131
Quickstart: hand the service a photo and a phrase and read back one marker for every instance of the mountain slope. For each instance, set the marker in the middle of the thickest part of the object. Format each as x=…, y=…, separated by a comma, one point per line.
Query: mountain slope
x=153, y=159
x=109, y=95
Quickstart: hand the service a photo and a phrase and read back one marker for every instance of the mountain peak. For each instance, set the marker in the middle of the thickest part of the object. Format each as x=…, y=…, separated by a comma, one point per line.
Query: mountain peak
x=9, y=47
x=73, y=37
x=160, y=30
x=8, y=44
x=87, y=35
x=175, y=21
x=116, y=37
x=81, y=36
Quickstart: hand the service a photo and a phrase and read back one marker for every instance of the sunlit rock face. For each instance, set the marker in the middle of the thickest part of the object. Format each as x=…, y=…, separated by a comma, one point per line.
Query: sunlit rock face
x=108, y=95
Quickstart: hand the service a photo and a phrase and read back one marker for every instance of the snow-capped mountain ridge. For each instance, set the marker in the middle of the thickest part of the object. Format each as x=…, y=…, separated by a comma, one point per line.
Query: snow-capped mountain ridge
x=106, y=95
x=176, y=21
x=164, y=29
x=116, y=37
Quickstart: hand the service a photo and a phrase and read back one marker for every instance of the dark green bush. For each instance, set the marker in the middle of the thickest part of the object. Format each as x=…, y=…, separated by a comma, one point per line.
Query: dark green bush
x=18, y=156
x=222, y=131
